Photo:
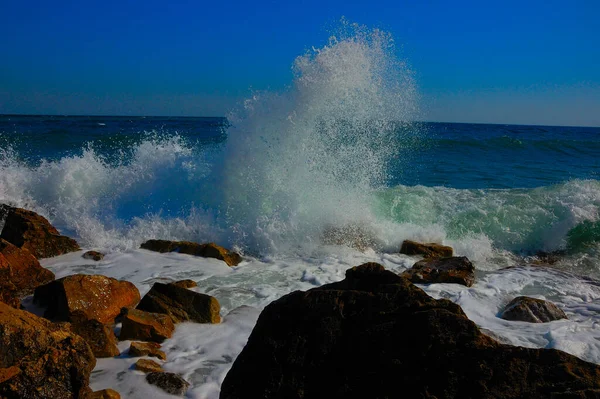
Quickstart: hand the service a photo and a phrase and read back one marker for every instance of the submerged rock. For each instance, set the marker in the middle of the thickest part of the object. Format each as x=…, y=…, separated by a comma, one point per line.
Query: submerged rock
x=145, y=326
x=91, y=296
x=428, y=250
x=376, y=335
x=152, y=349
x=93, y=255
x=27, y=229
x=181, y=304
x=209, y=250
x=99, y=337
x=457, y=270
x=147, y=366
x=20, y=273
x=185, y=283
x=40, y=359
x=532, y=310
x=168, y=382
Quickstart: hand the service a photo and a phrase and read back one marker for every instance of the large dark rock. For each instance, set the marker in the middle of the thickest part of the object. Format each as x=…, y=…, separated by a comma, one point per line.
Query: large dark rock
x=99, y=337
x=532, y=310
x=27, y=229
x=40, y=359
x=457, y=270
x=181, y=304
x=376, y=335
x=20, y=273
x=168, y=382
x=428, y=250
x=145, y=326
x=91, y=296
x=210, y=250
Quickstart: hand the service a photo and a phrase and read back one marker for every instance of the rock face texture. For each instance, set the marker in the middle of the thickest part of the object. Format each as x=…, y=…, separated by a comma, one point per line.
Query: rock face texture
x=168, y=382
x=147, y=366
x=376, y=335
x=20, y=273
x=145, y=326
x=429, y=250
x=533, y=310
x=181, y=304
x=209, y=250
x=457, y=270
x=100, y=337
x=27, y=229
x=137, y=349
x=91, y=296
x=40, y=359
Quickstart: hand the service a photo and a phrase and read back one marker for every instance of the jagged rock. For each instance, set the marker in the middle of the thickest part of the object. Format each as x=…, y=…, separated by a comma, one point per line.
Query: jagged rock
x=145, y=326
x=376, y=335
x=181, y=304
x=533, y=310
x=95, y=296
x=168, y=382
x=99, y=337
x=457, y=270
x=105, y=394
x=428, y=250
x=210, y=250
x=93, y=255
x=27, y=229
x=20, y=273
x=147, y=366
x=185, y=283
x=152, y=349
x=351, y=235
x=40, y=359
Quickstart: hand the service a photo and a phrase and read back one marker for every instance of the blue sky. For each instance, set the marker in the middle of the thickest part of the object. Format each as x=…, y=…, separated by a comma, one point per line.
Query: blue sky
x=533, y=62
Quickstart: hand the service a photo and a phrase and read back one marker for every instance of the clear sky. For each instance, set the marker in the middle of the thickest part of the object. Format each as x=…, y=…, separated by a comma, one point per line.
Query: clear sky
x=531, y=62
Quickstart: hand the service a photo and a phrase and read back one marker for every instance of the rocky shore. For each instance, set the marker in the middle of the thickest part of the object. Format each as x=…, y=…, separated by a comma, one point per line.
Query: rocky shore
x=373, y=335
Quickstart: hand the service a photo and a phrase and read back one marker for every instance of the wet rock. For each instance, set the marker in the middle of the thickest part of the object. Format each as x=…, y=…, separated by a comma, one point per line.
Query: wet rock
x=168, y=382
x=95, y=296
x=27, y=229
x=457, y=270
x=532, y=310
x=209, y=250
x=352, y=235
x=99, y=337
x=20, y=273
x=152, y=349
x=376, y=335
x=181, y=304
x=428, y=250
x=93, y=255
x=145, y=326
x=147, y=366
x=185, y=283
x=105, y=394
x=40, y=359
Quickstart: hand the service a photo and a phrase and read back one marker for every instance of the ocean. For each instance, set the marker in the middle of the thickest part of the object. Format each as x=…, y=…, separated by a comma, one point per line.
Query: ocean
x=340, y=149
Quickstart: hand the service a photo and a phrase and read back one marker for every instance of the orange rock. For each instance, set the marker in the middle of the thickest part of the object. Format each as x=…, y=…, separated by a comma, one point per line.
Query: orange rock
x=20, y=273
x=456, y=270
x=137, y=349
x=428, y=250
x=40, y=359
x=27, y=229
x=147, y=366
x=185, y=283
x=105, y=394
x=146, y=326
x=99, y=337
x=210, y=250
x=97, y=297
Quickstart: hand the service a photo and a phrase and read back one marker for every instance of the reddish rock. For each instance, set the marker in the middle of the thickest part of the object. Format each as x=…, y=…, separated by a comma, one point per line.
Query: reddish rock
x=93, y=255
x=209, y=250
x=105, y=394
x=40, y=359
x=27, y=229
x=20, y=273
x=376, y=335
x=147, y=366
x=152, y=349
x=168, y=382
x=456, y=270
x=532, y=310
x=95, y=296
x=181, y=304
x=428, y=250
x=185, y=283
x=99, y=337
x=145, y=326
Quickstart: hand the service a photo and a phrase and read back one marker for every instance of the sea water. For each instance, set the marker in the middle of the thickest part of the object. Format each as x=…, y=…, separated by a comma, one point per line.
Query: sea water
x=339, y=148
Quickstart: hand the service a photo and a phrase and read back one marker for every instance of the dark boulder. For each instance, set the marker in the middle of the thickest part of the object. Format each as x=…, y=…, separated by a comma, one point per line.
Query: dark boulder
x=93, y=255
x=145, y=326
x=210, y=250
x=168, y=382
x=532, y=310
x=99, y=337
x=185, y=283
x=27, y=229
x=181, y=304
x=457, y=270
x=376, y=335
x=429, y=250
